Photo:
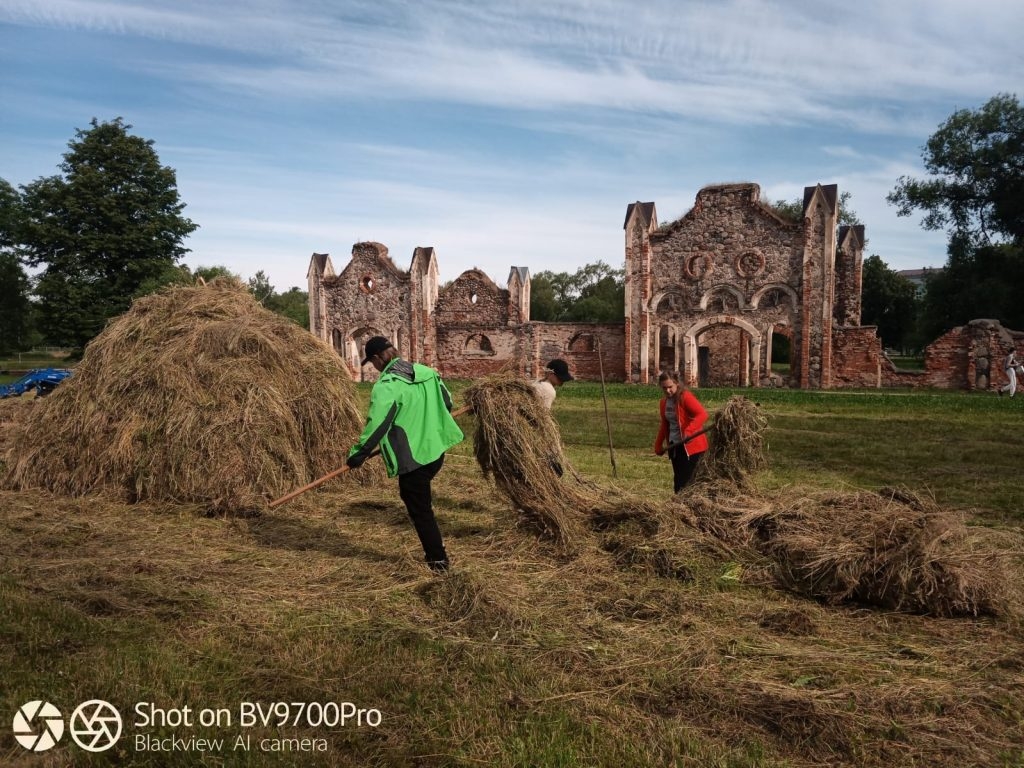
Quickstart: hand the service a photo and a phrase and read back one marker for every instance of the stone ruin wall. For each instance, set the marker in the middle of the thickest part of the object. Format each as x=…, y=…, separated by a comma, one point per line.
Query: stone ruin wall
x=969, y=357
x=467, y=329
x=706, y=293
x=728, y=268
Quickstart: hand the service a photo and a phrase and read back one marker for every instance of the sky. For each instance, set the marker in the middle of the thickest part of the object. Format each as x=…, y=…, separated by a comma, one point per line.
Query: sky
x=501, y=134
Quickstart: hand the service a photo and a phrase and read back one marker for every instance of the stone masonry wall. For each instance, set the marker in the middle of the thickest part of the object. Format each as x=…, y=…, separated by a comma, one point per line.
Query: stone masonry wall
x=733, y=262
x=969, y=357
x=857, y=357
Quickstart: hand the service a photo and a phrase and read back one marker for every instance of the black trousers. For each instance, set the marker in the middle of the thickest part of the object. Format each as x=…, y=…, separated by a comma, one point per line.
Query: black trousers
x=683, y=467
x=414, y=488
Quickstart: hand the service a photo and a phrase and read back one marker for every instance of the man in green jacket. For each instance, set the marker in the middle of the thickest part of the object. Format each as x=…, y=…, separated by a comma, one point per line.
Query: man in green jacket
x=410, y=421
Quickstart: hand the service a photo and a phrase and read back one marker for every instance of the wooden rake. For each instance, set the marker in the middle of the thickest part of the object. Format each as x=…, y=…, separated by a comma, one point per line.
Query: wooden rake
x=340, y=471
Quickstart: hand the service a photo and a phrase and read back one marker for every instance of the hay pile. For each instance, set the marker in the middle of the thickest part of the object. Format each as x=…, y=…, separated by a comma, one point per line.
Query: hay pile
x=196, y=394
x=889, y=548
x=517, y=443
x=736, y=445
x=12, y=410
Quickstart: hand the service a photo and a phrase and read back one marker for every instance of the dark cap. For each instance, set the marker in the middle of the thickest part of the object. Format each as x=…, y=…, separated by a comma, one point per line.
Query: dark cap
x=561, y=369
x=375, y=346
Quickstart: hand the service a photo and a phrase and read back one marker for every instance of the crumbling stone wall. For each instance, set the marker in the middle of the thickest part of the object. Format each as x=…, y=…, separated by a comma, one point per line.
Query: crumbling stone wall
x=705, y=295
x=857, y=357
x=969, y=357
x=713, y=287
x=467, y=329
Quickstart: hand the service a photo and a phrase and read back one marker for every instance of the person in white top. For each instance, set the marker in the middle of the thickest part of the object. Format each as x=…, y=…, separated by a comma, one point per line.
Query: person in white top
x=1011, y=374
x=556, y=373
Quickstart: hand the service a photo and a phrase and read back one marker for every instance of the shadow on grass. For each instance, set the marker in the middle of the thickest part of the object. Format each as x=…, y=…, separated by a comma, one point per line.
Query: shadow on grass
x=303, y=536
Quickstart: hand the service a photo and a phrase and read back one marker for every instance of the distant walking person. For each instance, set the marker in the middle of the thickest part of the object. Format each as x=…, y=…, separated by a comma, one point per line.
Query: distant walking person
x=1011, y=374
x=410, y=419
x=682, y=417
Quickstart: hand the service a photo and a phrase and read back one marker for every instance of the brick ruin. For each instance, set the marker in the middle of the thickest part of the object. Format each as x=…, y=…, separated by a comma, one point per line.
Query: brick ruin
x=468, y=328
x=709, y=295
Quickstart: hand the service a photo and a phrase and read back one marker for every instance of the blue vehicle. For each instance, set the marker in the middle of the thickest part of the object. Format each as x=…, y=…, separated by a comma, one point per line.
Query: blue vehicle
x=43, y=379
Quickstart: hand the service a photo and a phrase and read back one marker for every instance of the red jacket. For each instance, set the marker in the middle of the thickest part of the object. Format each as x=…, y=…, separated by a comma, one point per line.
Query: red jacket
x=691, y=418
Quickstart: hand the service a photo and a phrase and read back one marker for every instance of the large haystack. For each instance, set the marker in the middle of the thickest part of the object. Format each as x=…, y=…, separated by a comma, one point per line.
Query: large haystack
x=196, y=394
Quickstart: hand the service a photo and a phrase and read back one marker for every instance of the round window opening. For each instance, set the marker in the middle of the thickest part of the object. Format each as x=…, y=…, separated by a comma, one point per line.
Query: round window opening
x=473, y=298
x=367, y=284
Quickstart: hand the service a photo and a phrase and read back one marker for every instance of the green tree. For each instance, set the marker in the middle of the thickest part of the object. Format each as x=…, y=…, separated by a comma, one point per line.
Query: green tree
x=107, y=227
x=603, y=301
x=794, y=210
x=293, y=304
x=544, y=305
x=15, y=307
x=594, y=293
x=888, y=301
x=260, y=287
x=976, y=163
x=976, y=193
x=982, y=281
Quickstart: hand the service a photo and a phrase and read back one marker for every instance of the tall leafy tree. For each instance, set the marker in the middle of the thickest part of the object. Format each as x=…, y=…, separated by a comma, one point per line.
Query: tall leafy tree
x=976, y=193
x=543, y=301
x=984, y=281
x=15, y=307
x=109, y=225
x=888, y=301
x=976, y=163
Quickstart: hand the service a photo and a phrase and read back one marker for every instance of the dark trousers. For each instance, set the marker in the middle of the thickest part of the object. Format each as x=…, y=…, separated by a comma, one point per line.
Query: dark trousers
x=414, y=488
x=683, y=467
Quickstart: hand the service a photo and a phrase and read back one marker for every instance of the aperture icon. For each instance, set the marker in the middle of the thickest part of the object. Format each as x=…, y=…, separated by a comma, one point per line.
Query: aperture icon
x=38, y=725
x=95, y=725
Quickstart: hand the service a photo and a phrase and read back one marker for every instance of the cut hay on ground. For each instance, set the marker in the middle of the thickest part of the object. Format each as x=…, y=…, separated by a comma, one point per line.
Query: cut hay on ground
x=196, y=394
x=736, y=445
x=518, y=444
x=889, y=548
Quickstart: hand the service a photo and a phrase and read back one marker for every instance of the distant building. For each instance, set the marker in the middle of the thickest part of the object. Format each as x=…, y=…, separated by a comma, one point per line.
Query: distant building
x=919, y=277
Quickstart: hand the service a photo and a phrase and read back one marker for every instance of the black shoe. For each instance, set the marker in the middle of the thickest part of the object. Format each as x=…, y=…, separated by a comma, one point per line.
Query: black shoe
x=439, y=566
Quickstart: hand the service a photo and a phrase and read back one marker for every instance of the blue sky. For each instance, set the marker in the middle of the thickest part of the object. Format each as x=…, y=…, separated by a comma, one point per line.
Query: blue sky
x=500, y=133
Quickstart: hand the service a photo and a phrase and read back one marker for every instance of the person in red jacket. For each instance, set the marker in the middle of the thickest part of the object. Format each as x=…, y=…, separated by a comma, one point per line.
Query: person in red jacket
x=682, y=417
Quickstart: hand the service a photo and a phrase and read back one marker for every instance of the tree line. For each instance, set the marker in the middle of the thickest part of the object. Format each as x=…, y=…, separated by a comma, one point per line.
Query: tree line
x=109, y=227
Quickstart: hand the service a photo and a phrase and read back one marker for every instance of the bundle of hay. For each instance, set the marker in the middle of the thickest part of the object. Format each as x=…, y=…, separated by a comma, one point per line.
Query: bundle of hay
x=518, y=444
x=196, y=394
x=890, y=549
x=736, y=446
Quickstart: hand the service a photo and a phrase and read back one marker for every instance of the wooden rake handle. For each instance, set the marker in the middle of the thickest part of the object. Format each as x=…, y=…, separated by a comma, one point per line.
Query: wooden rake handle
x=339, y=471
x=694, y=436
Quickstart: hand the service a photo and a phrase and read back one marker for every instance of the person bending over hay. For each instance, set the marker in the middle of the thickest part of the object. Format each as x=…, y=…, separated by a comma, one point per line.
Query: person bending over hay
x=517, y=443
x=197, y=394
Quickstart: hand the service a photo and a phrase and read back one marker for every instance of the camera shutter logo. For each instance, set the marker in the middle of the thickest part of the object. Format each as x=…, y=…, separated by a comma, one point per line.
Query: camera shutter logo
x=95, y=725
x=38, y=725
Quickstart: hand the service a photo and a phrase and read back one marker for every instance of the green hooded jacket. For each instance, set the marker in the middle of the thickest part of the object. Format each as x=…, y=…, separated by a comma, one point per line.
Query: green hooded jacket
x=410, y=418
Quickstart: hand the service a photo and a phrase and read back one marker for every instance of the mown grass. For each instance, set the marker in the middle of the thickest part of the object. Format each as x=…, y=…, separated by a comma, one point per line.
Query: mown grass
x=523, y=657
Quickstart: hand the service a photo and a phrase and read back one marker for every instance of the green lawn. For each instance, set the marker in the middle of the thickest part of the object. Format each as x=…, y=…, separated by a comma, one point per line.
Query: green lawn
x=524, y=656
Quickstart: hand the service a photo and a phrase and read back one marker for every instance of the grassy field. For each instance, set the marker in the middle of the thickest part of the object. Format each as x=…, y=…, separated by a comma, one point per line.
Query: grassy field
x=521, y=657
